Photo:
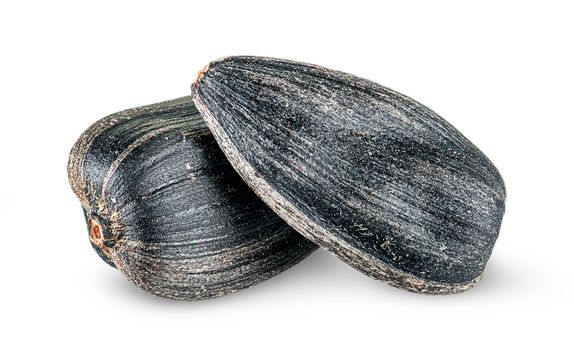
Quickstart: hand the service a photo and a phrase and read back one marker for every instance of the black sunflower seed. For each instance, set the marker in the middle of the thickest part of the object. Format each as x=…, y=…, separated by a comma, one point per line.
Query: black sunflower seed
x=370, y=174
x=165, y=207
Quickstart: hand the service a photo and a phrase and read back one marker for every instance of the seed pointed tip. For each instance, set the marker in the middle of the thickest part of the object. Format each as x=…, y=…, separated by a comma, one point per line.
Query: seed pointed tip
x=96, y=234
x=200, y=74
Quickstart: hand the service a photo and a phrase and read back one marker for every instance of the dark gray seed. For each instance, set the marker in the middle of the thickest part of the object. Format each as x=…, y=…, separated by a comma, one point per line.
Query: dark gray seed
x=371, y=175
x=165, y=207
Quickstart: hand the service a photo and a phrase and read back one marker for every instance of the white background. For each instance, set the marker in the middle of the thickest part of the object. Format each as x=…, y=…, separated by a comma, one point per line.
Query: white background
x=500, y=71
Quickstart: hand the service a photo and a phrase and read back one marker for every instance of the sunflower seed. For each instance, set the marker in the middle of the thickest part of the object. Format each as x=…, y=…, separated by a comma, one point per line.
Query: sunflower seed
x=165, y=207
x=373, y=176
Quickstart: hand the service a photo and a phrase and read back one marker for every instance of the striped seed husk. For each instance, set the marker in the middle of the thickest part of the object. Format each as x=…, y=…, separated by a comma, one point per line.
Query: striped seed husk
x=373, y=176
x=165, y=207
